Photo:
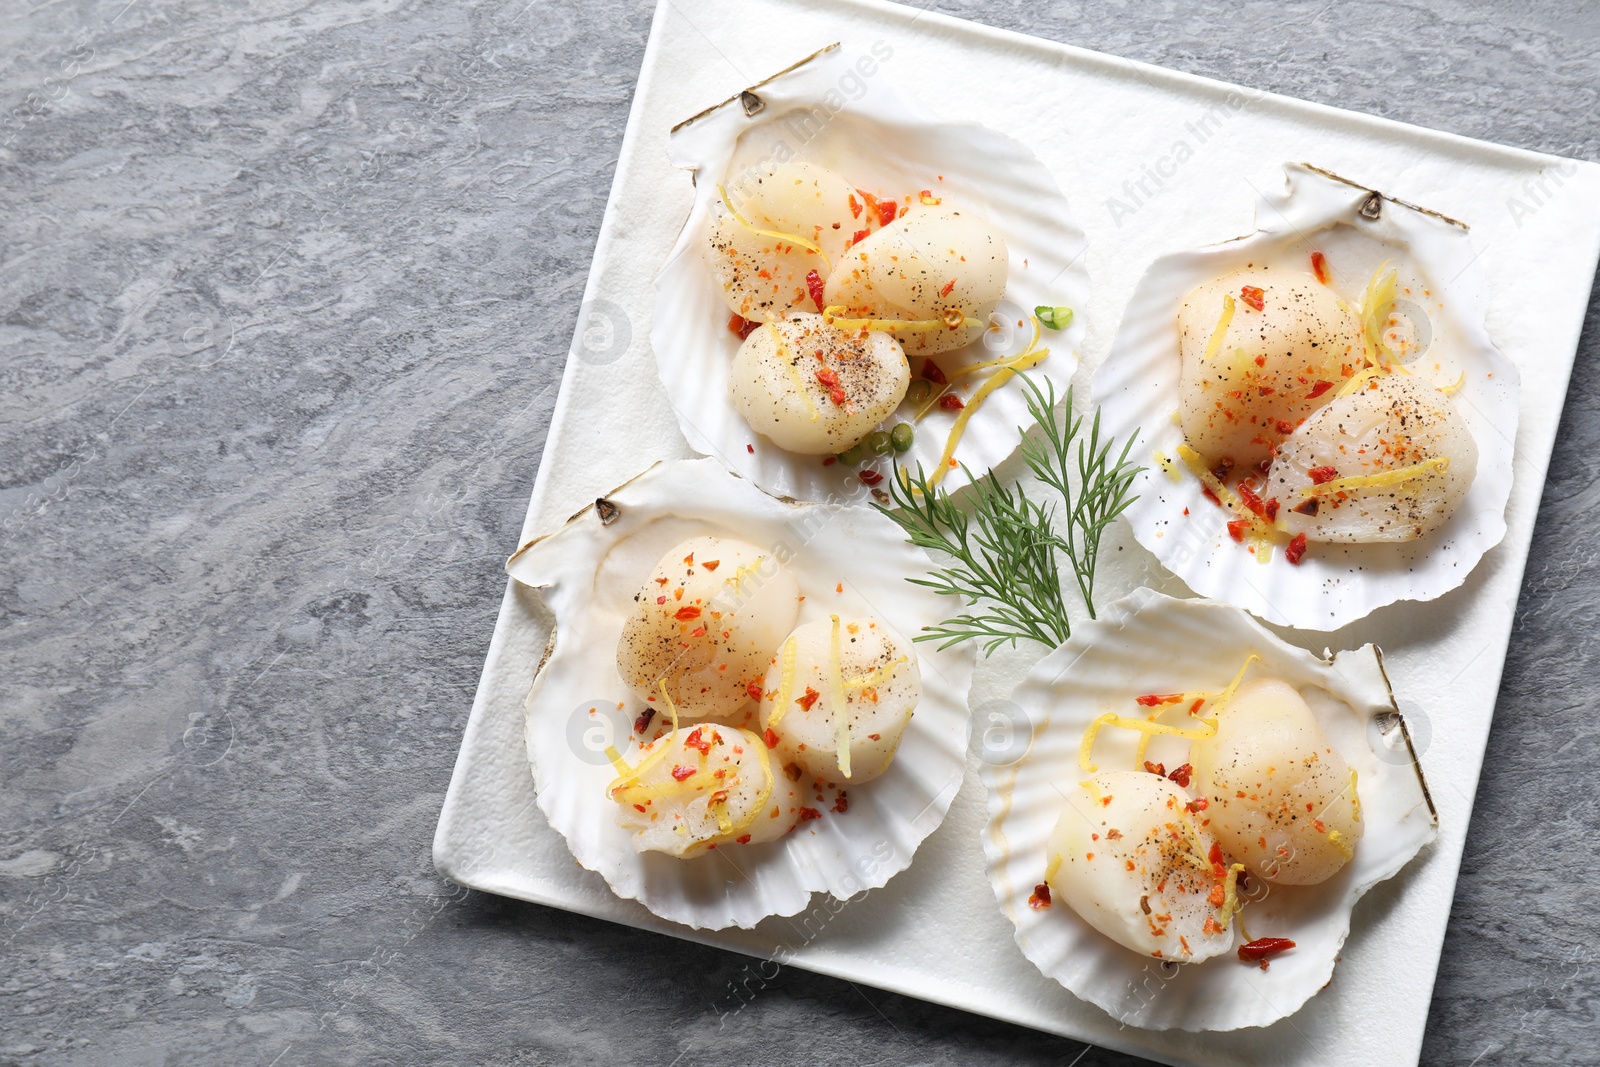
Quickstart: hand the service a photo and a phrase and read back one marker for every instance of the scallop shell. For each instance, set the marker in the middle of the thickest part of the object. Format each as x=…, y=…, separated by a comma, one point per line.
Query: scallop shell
x=877, y=140
x=1147, y=643
x=1356, y=228
x=846, y=560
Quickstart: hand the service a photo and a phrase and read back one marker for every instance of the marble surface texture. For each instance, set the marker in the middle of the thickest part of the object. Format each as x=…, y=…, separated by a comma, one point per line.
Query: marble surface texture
x=286, y=289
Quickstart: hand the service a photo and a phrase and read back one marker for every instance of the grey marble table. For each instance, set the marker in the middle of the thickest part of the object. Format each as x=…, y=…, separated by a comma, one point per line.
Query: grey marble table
x=277, y=286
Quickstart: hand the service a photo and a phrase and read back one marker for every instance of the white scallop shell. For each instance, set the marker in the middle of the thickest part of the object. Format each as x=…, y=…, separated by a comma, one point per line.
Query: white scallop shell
x=1137, y=388
x=879, y=140
x=1150, y=643
x=587, y=574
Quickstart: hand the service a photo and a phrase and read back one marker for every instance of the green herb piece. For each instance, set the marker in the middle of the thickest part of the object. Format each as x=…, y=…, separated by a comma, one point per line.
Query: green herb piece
x=1006, y=553
x=1053, y=318
x=1105, y=485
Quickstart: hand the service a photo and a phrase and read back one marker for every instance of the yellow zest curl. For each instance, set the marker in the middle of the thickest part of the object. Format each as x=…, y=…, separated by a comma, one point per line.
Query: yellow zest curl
x=1378, y=481
x=954, y=319
x=841, y=716
x=785, y=685
x=1222, y=326
x=791, y=238
x=1006, y=371
x=794, y=373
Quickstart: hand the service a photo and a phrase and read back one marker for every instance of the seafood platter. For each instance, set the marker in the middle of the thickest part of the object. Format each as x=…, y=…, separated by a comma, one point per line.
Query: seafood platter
x=957, y=547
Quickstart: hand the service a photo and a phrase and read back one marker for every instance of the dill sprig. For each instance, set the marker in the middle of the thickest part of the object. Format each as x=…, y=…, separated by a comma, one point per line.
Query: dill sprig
x=1007, y=552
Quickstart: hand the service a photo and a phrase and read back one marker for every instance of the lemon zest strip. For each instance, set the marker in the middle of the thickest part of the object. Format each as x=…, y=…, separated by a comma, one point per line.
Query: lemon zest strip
x=841, y=718
x=785, y=685
x=1031, y=358
x=834, y=316
x=877, y=677
x=1207, y=728
x=794, y=373
x=792, y=238
x=1222, y=326
x=1377, y=481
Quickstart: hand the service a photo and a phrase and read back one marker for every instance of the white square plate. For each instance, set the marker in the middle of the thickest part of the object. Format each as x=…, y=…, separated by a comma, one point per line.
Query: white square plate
x=1151, y=161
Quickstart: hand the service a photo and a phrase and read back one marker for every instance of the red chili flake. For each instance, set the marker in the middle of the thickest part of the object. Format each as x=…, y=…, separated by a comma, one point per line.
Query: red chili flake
x=814, y=287
x=687, y=613
x=1296, y=549
x=855, y=206
x=1153, y=700
x=870, y=477
x=1319, y=267
x=807, y=814
x=1236, y=529
x=743, y=839
x=1156, y=768
x=755, y=690
x=931, y=371
x=951, y=402
x=698, y=631
x=1198, y=804
x=1310, y=507
x=887, y=209
x=1266, y=390
x=661, y=600
x=1271, y=511
x=695, y=740
x=1253, y=296
x=1261, y=361
x=1223, y=468
x=742, y=326
x=1215, y=856
x=859, y=236
x=642, y=723
x=828, y=461
x=682, y=774
x=809, y=699
x=1041, y=896
x=841, y=804
x=830, y=381
x=1180, y=776
x=1318, y=389
x=1194, y=709
x=1251, y=499
x=1321, y=475
x=1209, y=495
x=770, y=738
x=750, y=449
x=1285, y=427
x=949, y=285
x=1263, y=947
